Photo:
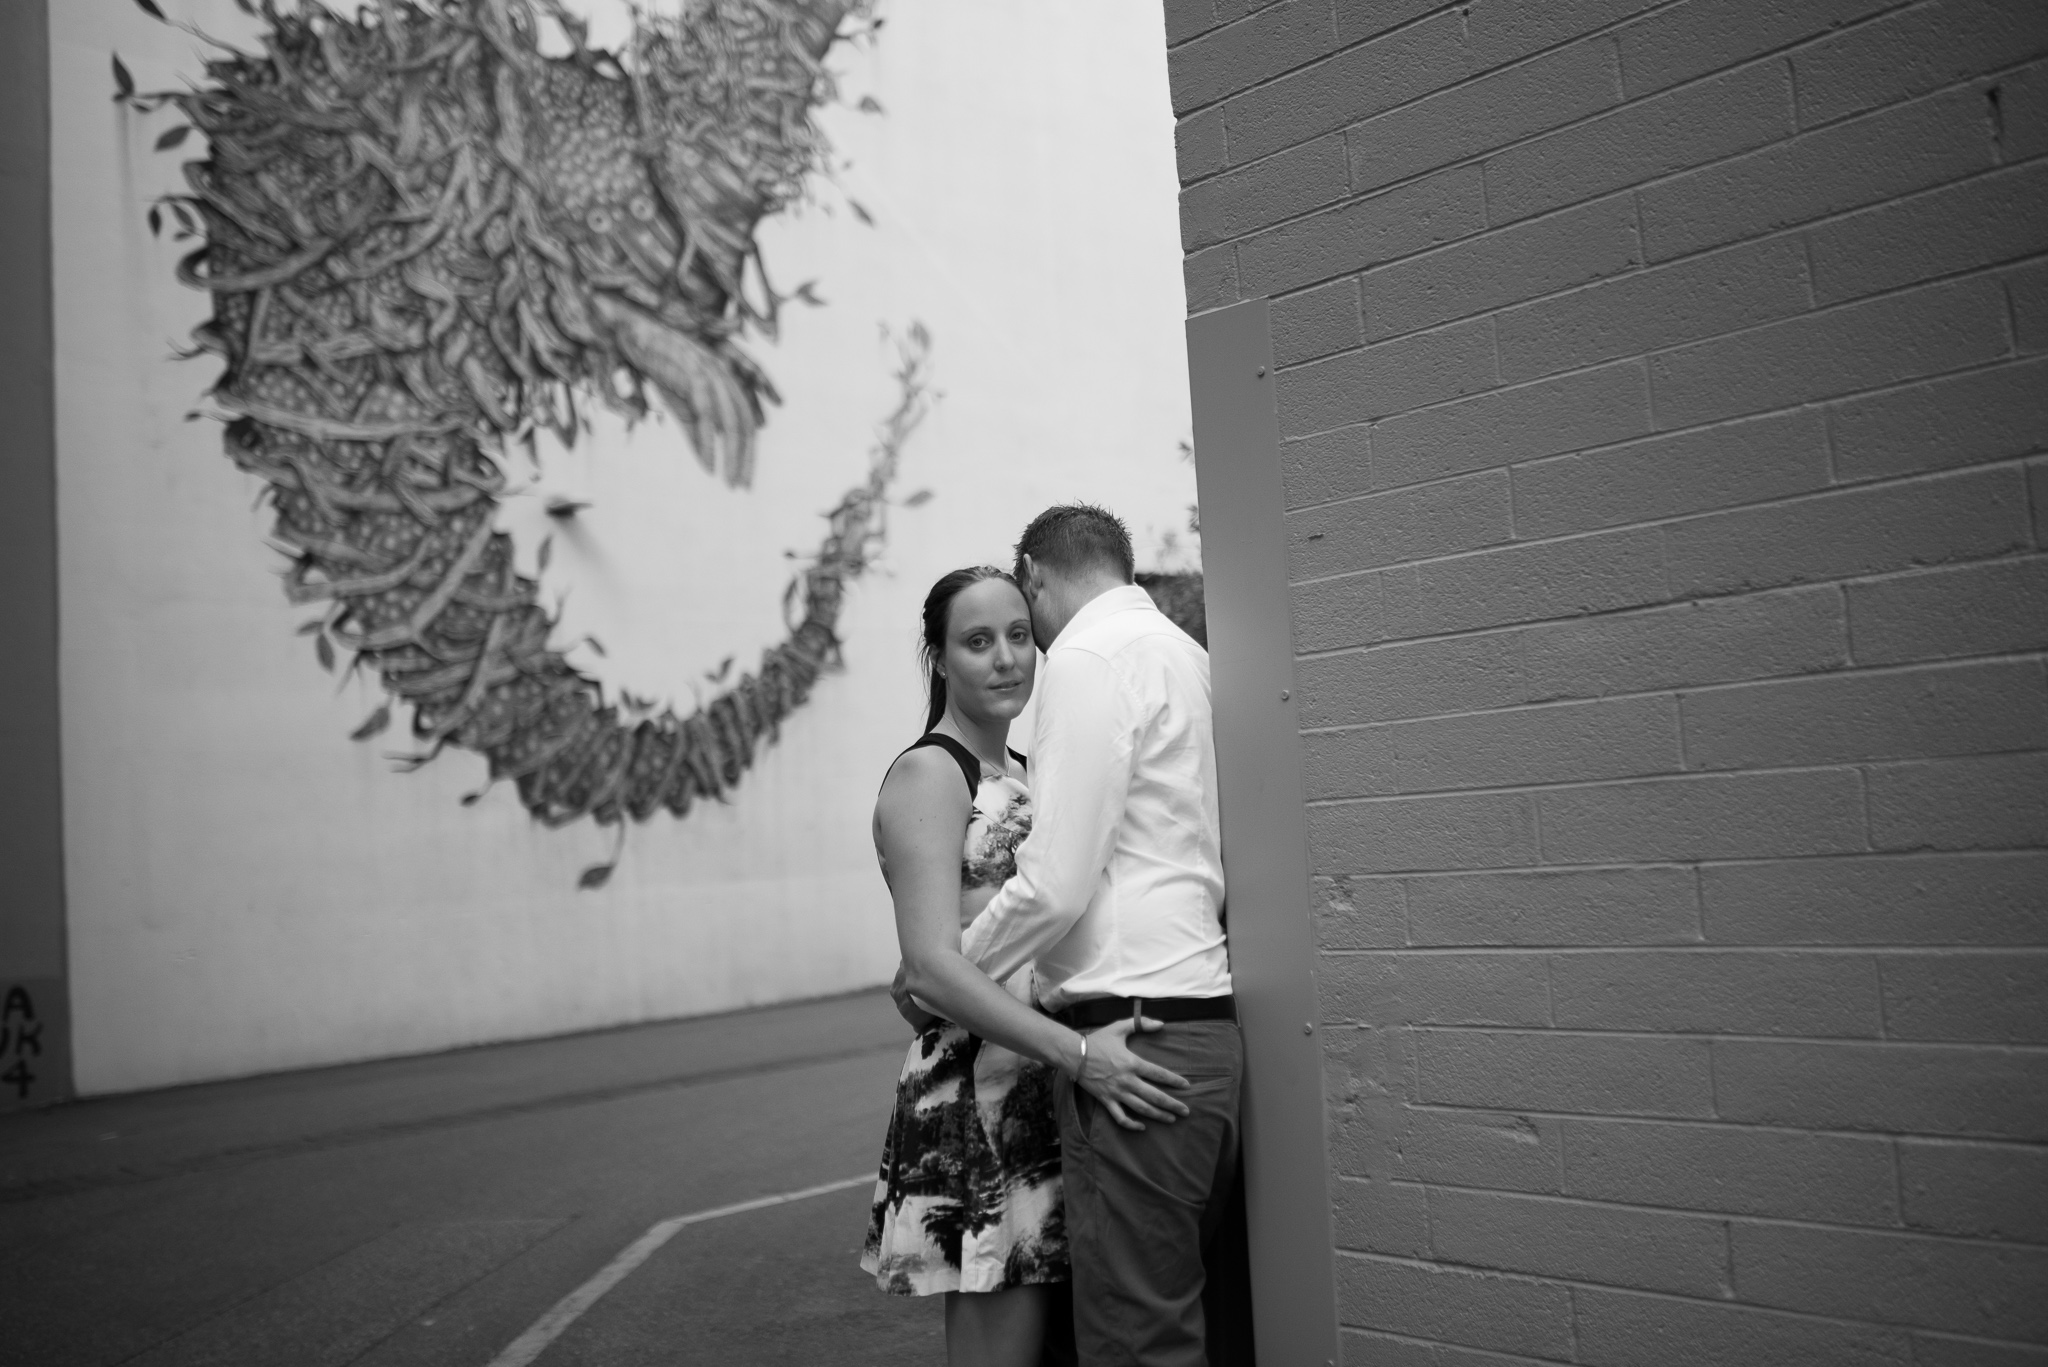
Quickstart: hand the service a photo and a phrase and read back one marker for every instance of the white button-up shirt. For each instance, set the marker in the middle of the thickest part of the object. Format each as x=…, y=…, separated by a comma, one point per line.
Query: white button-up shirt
x=1119, y=887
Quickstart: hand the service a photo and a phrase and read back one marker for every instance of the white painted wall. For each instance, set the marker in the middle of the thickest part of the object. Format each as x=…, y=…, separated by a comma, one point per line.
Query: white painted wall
x=249, y=890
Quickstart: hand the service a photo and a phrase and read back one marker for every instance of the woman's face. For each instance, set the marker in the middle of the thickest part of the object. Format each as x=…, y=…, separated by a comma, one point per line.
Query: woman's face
x=990, y=660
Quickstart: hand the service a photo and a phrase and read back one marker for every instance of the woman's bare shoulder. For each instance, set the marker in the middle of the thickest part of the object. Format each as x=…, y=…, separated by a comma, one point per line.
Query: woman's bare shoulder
x=924, y=781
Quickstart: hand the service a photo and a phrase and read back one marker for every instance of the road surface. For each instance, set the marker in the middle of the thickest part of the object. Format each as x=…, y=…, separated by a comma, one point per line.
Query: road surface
x=434, y=1210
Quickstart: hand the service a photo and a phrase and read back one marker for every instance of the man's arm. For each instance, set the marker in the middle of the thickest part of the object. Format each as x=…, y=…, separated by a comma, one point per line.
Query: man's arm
x=919, y=816
x=1080, y=774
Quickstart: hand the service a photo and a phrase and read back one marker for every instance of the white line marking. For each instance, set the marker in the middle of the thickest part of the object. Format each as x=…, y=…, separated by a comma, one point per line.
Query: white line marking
x=545, y=1330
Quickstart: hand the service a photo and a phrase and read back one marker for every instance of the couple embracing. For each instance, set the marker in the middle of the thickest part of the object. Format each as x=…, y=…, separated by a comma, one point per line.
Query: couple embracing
x=1063, y=1155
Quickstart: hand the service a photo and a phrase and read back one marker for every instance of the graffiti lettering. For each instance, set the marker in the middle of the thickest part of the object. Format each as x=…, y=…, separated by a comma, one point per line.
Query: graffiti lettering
x=27, y=1039
x=21, y=1035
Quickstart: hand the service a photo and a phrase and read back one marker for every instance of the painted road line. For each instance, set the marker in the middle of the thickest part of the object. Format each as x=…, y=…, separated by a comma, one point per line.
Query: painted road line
x=545, y=1330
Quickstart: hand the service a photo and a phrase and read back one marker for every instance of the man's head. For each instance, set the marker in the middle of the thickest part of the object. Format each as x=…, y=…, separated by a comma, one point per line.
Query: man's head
x=1068, y=556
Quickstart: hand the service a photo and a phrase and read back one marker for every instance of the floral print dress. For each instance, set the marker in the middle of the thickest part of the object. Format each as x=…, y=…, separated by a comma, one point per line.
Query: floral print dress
x=968, y=1198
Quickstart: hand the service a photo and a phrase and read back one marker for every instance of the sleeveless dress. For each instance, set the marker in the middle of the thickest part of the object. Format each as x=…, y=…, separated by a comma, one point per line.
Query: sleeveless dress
x=968, y=1198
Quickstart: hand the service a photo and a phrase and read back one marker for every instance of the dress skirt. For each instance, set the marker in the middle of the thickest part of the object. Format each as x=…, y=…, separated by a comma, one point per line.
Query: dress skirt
x=968, y=1198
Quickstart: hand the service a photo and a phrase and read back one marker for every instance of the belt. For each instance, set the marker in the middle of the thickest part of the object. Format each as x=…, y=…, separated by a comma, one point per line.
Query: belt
x=1095, y=1012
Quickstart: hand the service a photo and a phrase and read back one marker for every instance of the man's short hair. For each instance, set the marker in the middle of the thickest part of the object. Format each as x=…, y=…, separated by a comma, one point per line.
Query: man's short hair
x=1074, y=538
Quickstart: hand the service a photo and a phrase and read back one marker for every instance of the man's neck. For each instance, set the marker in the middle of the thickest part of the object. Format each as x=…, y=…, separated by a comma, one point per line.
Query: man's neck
x=1071, y=595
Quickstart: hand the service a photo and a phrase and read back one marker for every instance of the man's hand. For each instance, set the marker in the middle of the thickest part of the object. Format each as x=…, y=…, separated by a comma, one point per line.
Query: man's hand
x=1124, y=1083
x=906, y=1005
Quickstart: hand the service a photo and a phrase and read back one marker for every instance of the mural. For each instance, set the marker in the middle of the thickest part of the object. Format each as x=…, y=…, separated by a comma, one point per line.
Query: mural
x=433, y=229
x=572, y=408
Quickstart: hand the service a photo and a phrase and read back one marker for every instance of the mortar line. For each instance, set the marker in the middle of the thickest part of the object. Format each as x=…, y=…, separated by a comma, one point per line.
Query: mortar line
x=1852, y=670
x=1697, y=778
x=1695, y=949
x=1830, y=491
x=1704, y=1215
x=1647, y=1293
x=1824, y=404
x=1711, y=1036
x=1597, y=1118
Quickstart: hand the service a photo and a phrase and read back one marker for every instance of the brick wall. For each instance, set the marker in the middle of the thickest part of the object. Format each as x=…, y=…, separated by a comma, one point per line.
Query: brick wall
x=1663, y=390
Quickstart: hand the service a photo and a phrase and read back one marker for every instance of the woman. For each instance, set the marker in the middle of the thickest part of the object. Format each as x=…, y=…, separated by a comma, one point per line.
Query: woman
x=968, y=1201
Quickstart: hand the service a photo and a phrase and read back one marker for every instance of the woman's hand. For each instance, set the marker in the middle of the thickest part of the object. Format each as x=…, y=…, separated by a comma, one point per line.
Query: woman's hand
x=1123, y=1082
x=920, y=1019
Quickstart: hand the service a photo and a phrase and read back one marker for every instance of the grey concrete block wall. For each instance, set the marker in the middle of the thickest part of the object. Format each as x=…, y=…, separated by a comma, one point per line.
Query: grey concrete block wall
x=1668, y=532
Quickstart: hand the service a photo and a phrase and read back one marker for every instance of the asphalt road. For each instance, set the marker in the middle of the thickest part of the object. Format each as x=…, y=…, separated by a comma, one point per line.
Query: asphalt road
x=428, y=1211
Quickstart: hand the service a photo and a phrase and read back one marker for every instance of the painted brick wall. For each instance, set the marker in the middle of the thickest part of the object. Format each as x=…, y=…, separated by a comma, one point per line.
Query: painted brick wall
x=1665, y=388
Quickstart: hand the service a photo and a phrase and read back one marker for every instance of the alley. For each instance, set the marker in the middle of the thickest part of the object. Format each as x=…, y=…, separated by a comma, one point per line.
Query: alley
x=432, y=1210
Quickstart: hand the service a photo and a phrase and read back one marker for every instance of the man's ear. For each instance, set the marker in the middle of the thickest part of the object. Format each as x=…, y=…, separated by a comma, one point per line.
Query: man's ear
x=1027, y=577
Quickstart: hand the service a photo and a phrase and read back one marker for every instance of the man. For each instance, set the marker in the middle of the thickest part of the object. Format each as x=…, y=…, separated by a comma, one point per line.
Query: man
x=1118, y=900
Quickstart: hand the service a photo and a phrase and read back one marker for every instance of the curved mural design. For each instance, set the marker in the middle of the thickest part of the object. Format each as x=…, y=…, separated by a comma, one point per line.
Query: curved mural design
x=435, y=228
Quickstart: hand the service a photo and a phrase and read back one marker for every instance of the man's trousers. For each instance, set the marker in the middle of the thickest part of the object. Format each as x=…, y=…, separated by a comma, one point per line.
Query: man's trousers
x=1146, y=1208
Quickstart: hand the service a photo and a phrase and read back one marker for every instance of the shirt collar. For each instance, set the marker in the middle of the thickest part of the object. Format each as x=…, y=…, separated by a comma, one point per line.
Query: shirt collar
x=1123, y=598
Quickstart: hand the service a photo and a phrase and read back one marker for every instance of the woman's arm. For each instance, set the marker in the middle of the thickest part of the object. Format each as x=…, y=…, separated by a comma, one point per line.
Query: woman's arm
x=920, y=818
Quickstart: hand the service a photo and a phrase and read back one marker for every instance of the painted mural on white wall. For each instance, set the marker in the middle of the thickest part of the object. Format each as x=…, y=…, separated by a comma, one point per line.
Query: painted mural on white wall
x=430, y=233
x=605, y=385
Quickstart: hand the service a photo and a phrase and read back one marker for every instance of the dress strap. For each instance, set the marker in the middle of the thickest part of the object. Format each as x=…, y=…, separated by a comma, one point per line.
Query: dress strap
x=970, y=767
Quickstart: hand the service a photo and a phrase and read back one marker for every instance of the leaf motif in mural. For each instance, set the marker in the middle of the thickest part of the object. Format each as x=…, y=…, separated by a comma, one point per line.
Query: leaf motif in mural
x=426, y=233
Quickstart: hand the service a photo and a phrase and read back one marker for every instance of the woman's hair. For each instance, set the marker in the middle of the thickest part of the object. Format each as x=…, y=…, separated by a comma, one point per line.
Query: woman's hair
x=931, y=647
